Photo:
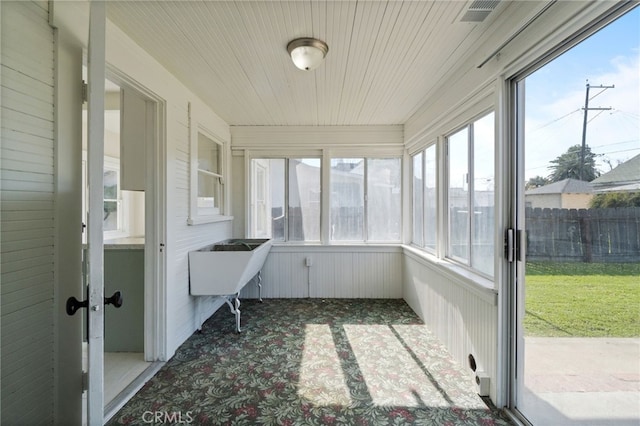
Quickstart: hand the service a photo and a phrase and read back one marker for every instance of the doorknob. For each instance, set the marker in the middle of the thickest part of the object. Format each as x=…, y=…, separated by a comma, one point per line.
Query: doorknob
x=74, y=304
x=115, y=299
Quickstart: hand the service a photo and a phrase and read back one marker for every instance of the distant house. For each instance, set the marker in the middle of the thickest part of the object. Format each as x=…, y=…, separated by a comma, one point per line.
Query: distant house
x=624, y=178
x=565, y=194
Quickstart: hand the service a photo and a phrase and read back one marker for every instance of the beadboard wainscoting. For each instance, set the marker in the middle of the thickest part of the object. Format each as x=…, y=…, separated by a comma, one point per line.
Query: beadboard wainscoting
x=353, y=271
x=460, y=313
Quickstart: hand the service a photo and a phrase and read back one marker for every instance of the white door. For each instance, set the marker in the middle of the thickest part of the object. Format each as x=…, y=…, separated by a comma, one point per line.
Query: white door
x=95, y=176
x=69, y=179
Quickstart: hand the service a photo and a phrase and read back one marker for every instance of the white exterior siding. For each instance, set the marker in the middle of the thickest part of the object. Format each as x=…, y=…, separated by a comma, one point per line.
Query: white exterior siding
x=27, y=211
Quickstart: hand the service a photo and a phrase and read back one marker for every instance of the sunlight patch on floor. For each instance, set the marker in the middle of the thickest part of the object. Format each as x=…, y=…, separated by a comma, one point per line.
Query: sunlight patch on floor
x=322, y=380
x=437, y=364
x=392, y=375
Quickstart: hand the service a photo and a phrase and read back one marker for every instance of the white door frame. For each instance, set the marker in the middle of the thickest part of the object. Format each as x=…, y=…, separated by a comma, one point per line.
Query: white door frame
x=95, y=243
x=155, y=342
x=75, y=21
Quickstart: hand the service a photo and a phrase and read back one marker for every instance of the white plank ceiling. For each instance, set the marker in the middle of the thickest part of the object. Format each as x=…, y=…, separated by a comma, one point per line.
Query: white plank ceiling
x=384, y=59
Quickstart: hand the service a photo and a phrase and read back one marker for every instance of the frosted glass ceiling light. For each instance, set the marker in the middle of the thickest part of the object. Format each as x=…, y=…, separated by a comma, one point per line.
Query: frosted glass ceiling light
x=307, y=53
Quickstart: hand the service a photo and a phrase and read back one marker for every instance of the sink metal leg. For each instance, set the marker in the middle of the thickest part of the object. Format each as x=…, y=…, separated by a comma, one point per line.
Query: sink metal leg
x=260, y=285
x=235, y=309
x=237, y=312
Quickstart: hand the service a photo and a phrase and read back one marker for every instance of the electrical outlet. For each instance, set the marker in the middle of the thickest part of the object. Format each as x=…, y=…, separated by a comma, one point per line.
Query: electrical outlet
x=308, y=262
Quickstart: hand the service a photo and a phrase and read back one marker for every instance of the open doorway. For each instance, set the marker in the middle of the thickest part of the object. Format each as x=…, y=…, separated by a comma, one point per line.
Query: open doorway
x=132, y=264
x=577, y=317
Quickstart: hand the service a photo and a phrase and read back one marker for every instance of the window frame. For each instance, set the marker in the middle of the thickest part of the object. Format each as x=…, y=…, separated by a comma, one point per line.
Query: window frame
x=436, y=201
x=438, y=139
x=423, y=198
x=366, y=239
x=417, y=217
x=123, y=209
x=252, y=190
x=364, y=200
x=325, y=156
x=113, y=165
x=198, y=215
x=467, y=263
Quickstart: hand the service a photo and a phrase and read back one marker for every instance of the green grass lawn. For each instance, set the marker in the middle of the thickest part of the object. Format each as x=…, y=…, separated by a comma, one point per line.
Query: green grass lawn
x=582, y=300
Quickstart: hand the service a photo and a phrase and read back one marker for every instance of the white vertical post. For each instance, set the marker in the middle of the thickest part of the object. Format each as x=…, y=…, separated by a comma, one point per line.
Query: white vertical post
x=95, y=156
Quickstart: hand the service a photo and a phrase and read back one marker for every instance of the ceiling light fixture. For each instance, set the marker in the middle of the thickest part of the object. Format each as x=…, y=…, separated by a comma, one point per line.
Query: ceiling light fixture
x=307, y=53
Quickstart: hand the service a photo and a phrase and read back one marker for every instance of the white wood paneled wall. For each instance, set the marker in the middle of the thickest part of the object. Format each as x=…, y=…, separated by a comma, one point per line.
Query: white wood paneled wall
x=463, y=316
x=365, y=139
x=27, y=213
x=185, y=310
x=335, y=272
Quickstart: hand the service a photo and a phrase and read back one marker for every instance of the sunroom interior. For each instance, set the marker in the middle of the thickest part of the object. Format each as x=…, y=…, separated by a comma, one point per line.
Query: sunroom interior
x=394, y=170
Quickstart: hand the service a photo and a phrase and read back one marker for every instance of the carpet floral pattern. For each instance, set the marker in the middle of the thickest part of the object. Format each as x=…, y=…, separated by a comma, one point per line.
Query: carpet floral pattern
x=312, y=362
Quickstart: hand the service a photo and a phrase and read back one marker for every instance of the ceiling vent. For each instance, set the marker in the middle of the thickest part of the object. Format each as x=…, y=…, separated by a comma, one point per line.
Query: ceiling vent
x=479, y=10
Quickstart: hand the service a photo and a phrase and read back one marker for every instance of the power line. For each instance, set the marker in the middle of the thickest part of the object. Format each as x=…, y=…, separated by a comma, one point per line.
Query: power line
x=546, y=166
x=626, y=113
x=622, y=150
x=616, y=143
x=600, y=92
x=596, y=116
x=554, y=121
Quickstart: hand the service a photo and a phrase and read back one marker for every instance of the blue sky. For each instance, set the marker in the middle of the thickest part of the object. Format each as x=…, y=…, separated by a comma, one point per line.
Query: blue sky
x=555, y=96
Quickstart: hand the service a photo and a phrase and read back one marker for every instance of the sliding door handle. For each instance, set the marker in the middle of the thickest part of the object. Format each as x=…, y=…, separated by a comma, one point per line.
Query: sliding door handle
x=509, y=246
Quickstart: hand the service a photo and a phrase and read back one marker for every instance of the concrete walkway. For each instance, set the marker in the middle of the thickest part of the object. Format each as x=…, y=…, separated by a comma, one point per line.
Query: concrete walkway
x=582, y=381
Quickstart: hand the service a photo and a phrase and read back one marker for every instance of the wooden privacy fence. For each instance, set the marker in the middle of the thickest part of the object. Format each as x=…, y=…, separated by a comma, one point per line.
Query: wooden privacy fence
x=584, y=235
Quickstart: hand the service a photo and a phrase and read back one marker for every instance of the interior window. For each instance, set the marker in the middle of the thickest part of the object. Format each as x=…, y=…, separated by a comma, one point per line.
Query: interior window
x=210, y=183
x=430, y=199
x=418, y=204
x=458, y=195
x=112, y=212
x=347, y=199
x=384, y=202
x=471, y=193
x=366, y=203
x=303, y=218
x=285, y=199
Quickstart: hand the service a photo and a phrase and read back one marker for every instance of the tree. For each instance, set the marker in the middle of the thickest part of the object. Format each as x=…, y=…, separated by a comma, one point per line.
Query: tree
x=536, y=182
x=567, y=165
x=615, y=199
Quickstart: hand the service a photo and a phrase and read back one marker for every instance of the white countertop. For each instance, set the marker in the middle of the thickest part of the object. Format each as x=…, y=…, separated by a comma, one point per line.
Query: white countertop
x=124, y=243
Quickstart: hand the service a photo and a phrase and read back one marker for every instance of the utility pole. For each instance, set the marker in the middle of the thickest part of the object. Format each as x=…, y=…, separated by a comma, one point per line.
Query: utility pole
x=584, y=122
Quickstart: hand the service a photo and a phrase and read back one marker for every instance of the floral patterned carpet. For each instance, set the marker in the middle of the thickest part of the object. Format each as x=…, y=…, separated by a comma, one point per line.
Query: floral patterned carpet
x=312, y=362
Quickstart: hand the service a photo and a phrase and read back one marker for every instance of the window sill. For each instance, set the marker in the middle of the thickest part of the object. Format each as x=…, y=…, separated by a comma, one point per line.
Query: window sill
x=286, y=247
x=463, y=277
x=201, y=220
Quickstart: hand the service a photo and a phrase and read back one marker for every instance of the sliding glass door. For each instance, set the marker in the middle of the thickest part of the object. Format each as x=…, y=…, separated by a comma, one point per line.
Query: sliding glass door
x=577, y=298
